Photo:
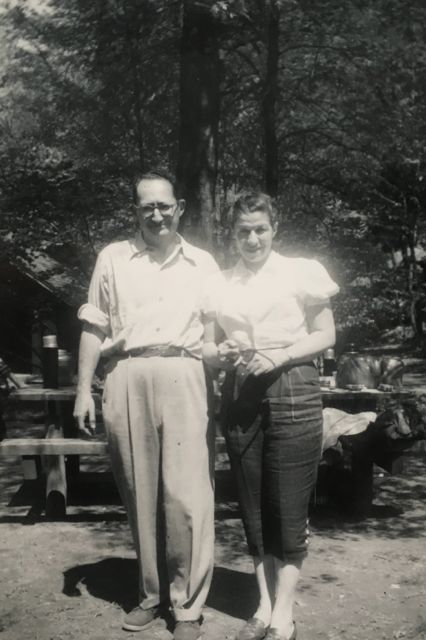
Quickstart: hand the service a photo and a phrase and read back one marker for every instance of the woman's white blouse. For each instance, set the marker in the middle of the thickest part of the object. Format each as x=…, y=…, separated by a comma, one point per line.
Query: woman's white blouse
x=267, y=309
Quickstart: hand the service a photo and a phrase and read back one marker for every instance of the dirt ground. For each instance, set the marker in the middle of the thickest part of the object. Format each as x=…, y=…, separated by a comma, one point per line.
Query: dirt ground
x=364, y=578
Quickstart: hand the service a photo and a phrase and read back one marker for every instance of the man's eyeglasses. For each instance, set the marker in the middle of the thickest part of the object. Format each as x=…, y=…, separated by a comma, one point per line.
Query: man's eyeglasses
x=164, y=208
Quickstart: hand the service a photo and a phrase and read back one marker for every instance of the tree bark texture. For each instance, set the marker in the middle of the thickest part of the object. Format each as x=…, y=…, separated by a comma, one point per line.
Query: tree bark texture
x=270, y=98
x=199, y=119
x=132, y=35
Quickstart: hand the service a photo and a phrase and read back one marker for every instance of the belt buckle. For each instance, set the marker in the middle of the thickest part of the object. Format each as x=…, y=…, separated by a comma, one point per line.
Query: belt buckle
x=161, y=351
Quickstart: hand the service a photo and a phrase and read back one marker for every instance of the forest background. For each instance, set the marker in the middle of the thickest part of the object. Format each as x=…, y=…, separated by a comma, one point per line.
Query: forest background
x=321, y=104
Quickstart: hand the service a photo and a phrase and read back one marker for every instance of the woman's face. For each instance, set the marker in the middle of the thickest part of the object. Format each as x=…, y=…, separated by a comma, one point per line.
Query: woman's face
x=253, y=234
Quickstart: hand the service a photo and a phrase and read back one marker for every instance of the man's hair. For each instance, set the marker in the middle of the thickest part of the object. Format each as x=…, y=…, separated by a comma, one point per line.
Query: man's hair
x=154, y=174
x=254, y=201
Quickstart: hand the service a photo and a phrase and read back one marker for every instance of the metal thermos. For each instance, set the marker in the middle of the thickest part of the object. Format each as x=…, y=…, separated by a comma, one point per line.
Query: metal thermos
x=329, y=363
x=358, y=369
x=50, y=362
x=329, y=367
x=64, y=368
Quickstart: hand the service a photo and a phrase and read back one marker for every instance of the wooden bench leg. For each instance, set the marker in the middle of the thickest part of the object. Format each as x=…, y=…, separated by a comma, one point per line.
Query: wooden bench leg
x=362, y=472
x=56, y=481
x=72, y=462
x=72, y=465
x=31, y=467
x=56, y=487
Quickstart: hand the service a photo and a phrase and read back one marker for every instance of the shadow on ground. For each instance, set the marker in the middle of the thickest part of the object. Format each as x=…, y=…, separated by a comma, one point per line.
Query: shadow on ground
x=233, y=593
x=396, y=512
x=110, y=579
x=115, y=580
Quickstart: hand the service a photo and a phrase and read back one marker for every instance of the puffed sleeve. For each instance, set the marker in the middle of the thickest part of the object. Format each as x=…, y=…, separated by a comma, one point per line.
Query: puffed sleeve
x=316, y=286
x=96, y=309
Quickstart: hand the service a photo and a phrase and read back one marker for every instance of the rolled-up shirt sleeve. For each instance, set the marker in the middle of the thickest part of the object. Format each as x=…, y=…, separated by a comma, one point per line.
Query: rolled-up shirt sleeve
x=317, y=285
x=96, y=311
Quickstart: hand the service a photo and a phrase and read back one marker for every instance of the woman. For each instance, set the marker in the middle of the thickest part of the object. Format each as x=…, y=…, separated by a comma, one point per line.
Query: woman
x=275, y=316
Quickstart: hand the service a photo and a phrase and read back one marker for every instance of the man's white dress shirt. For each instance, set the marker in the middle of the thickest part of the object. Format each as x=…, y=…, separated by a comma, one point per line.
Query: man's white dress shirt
x=138, y=302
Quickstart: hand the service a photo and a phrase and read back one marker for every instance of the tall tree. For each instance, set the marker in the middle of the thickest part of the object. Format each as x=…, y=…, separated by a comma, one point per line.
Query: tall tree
x=89, y=102
x=199, y=117
x=321, y=103
x=271, y=96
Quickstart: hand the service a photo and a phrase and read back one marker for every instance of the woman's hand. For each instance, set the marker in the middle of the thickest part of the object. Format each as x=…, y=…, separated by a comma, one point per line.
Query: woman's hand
x=259, y=364
x=265, y=362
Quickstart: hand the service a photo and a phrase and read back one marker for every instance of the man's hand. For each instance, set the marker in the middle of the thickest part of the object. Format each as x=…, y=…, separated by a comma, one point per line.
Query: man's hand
x=228, y=354
x=88, y=358
x=85, y=407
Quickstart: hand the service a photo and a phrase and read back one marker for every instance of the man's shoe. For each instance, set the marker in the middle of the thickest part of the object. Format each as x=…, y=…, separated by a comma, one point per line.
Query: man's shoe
x=254, y=629
x=139, y=618
x=274, y=634
x=187, y=630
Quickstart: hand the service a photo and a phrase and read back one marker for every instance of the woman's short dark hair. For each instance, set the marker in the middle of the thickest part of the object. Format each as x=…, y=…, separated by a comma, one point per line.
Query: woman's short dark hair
x=155, y=174
x=253, y=201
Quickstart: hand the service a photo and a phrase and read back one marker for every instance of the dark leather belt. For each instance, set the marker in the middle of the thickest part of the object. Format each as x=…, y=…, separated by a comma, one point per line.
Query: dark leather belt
x=160, y=351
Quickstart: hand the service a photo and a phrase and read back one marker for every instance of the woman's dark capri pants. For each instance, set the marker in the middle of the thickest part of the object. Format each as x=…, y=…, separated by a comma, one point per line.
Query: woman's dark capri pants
x=273, y=431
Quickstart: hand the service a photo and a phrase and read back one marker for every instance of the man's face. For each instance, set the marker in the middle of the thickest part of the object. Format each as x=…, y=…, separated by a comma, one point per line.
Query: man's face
x=158, y=211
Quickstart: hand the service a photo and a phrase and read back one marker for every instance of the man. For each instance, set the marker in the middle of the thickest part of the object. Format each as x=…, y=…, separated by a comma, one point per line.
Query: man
x=144, y=313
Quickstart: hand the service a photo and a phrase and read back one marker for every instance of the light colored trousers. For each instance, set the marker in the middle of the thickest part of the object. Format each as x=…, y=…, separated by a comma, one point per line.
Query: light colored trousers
x=155, y=414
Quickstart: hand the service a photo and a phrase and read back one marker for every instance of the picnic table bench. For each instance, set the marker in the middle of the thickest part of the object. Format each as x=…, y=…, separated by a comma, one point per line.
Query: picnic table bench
x=60, y=438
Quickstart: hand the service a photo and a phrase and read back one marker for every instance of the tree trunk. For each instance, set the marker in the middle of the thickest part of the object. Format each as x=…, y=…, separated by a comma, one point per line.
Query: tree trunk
x=412, y=288
x=270, y=98
x=134, y=55
x=199, y=119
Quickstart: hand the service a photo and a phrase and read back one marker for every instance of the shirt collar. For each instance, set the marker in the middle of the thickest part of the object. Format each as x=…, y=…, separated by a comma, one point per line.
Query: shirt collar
x=138, y=246
x=241, y=272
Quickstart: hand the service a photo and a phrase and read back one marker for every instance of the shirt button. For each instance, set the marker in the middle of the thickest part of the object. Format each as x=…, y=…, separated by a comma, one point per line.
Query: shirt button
x=157, y=329
x=160, y=299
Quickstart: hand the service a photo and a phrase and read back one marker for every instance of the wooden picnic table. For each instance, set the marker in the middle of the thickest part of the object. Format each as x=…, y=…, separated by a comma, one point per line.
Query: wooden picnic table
x=60, y=439
x=61, y=436
x=365, y=400
x=362, y=461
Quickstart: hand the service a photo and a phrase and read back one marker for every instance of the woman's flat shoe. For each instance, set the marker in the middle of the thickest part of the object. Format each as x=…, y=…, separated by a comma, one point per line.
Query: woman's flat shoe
x=274, y=634
x=254, y=629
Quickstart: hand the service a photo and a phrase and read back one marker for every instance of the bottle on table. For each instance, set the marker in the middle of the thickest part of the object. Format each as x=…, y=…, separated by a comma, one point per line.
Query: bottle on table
x=50, y=362
x=329, y=368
